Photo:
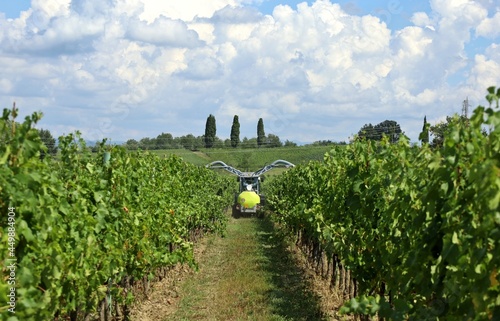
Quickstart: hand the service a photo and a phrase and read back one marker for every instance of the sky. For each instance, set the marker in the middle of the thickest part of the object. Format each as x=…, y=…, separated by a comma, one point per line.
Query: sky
x=313, y=70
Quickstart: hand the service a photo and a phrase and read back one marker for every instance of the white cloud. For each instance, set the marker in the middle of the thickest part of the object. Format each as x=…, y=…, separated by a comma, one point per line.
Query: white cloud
x=42, y=11
x=185, y=10
x=412, y=43
x=163, y=32
x=5, y=85
x=421, y=19
x=315, y=72
x=486, y=69
x=489, y=27
x=202, y=65
x=459, y=11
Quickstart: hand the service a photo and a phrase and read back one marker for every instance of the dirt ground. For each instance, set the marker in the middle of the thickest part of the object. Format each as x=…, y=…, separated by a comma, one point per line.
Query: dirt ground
x=165, y=295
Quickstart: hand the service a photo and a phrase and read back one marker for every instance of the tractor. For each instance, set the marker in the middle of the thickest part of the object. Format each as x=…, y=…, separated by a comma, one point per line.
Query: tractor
x=249, y=198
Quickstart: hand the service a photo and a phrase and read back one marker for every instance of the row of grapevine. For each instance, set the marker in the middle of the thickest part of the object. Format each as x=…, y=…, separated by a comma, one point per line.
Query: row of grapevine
x=418, y=229
x=85, y=229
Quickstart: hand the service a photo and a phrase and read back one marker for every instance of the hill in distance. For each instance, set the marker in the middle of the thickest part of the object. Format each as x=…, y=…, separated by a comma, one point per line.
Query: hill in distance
x=250, y=159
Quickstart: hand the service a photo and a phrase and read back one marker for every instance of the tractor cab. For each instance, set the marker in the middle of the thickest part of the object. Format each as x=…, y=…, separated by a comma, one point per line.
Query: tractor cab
x=247, y=180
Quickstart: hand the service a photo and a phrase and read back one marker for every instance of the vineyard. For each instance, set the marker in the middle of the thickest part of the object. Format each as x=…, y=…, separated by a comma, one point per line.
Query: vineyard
x=408, y=232
x=405, y=232
x=86, y=233
x=254, y=159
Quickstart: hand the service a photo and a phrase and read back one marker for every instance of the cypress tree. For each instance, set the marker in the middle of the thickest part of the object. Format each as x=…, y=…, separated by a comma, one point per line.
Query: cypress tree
x=210, y=131
x=424, y=135
x=261, y=135
x=235, y=132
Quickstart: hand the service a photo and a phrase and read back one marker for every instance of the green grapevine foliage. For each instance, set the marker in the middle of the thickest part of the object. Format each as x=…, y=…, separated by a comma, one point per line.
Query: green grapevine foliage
x=418, y=228
x=83, y=225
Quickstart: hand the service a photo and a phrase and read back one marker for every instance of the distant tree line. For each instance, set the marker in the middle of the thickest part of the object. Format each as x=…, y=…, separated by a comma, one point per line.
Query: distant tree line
x=439, y=130
x=431, y=134
x=210, y=139
x=326, y=143
x=192, y=142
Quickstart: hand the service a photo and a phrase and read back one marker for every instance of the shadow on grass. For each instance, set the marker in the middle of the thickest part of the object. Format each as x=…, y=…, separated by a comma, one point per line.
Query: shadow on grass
x=290, y=297
x=236, y=214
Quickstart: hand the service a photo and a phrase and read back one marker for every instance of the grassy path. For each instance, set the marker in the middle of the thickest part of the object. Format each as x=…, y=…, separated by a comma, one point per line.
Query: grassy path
x=247, y=275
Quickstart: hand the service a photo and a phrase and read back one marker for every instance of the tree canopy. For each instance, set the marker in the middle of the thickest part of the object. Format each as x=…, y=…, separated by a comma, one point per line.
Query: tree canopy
x=48, y=140
x=424, y=135
x=210, y=131
x=261, y=135
x=273, y=141
x=389, y=128
x=235, y=132
x=438, y=130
